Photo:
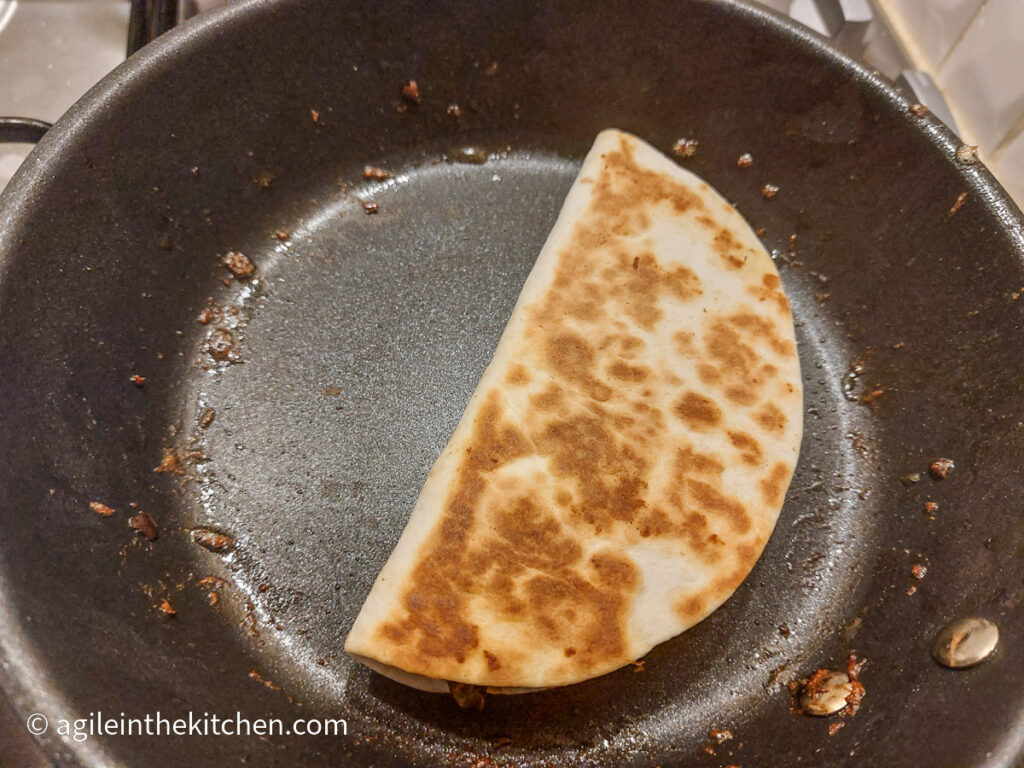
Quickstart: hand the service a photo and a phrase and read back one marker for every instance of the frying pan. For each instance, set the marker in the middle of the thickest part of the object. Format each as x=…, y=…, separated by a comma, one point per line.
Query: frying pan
x=358, y=340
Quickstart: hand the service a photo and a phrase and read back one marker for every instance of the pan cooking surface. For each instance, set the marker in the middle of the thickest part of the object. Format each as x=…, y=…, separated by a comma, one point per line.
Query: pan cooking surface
x=369, y=335
x=361, y=337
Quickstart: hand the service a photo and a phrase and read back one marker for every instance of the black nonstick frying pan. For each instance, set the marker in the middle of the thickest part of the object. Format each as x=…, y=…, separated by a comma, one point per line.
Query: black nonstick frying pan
x=334, y=375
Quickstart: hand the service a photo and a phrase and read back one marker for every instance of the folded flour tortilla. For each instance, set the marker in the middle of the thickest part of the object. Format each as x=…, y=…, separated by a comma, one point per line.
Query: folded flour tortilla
x=624, y=457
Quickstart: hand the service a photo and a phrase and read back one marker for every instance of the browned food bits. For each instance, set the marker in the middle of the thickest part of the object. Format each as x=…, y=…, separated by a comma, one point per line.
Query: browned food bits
x=918, y=571
x=144, y=524
x=468, y=696
x=870, y=397
x=209, y=315
x=941, y=468
x=212, y=540
x=919, y=109
x=745, y=160
x=332, y=391
x=170, y=463
x=371, y=207
x=282, y=235
x=137, y=380
x=166, y=608
x=100, y=509
x=968, y=153
x=206, y=418
x=255, y=675
x=835, y=727
x=685, y=147
x=411, y=92
x=720, y=735
x=454, y=110
x=931, y=506
x=315, y=115
x=239, y=264
x=958, y=204
x=769, y=191
x=375, y=173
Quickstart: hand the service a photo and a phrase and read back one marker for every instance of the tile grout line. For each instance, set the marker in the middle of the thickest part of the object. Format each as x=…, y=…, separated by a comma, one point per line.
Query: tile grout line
x=1016, y=130
x=961, y=36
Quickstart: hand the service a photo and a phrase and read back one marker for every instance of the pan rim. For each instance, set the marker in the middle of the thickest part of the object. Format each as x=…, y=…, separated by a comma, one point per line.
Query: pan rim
x=40, y=170
x=35, y=172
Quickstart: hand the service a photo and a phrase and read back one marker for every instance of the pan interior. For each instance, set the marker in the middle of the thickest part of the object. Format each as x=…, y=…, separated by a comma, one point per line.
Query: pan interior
x=359, y=341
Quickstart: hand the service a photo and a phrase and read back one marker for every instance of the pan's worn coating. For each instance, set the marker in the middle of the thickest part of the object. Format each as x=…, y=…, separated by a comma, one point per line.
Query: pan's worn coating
x=302, y=424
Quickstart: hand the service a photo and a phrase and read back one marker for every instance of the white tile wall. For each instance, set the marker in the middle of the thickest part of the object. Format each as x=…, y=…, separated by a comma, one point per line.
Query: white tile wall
x=984, y=73
x=974, y=49
x=51, y=52
x=931, y=26
x=1009, y=167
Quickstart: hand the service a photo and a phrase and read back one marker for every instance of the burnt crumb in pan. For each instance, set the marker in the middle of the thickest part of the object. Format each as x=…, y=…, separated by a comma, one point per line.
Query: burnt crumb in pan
x=940, y=468
x=144, y=524
x=101, y=509
x=411, y=92
x=468, y=696
x=212, y=540
x=685, y=148
x=373, y=173
x=960, y=200
x=239, y=264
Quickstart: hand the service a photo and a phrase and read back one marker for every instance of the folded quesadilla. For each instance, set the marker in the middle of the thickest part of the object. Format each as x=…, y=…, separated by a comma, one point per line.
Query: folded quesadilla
x=624, y=457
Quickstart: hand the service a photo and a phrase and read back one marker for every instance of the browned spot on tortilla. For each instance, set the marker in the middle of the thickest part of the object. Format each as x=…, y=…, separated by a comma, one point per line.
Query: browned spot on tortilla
x=550, y=399
x=684, y=343
x=770, y=280
x=492, y=661
x=690, y=607
x=710, y=498
x=572, y=358
x=434, y=602
x=610, y=478
x=393, y=633
x=597, y=271
x=690, y=461
x=729, y=248
x=654, y=523
x=535, y=536
x=569, y=652
x=739, y=371
x=773, y=486
x=762, y=329
x=748, y=447
x=624, y=372
x=771, y=295
x=771, y=419
x=743, y=395
x=630, y=344
x=698, y=412
x=708, y=373
x=614, y=571
x=518, y=376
